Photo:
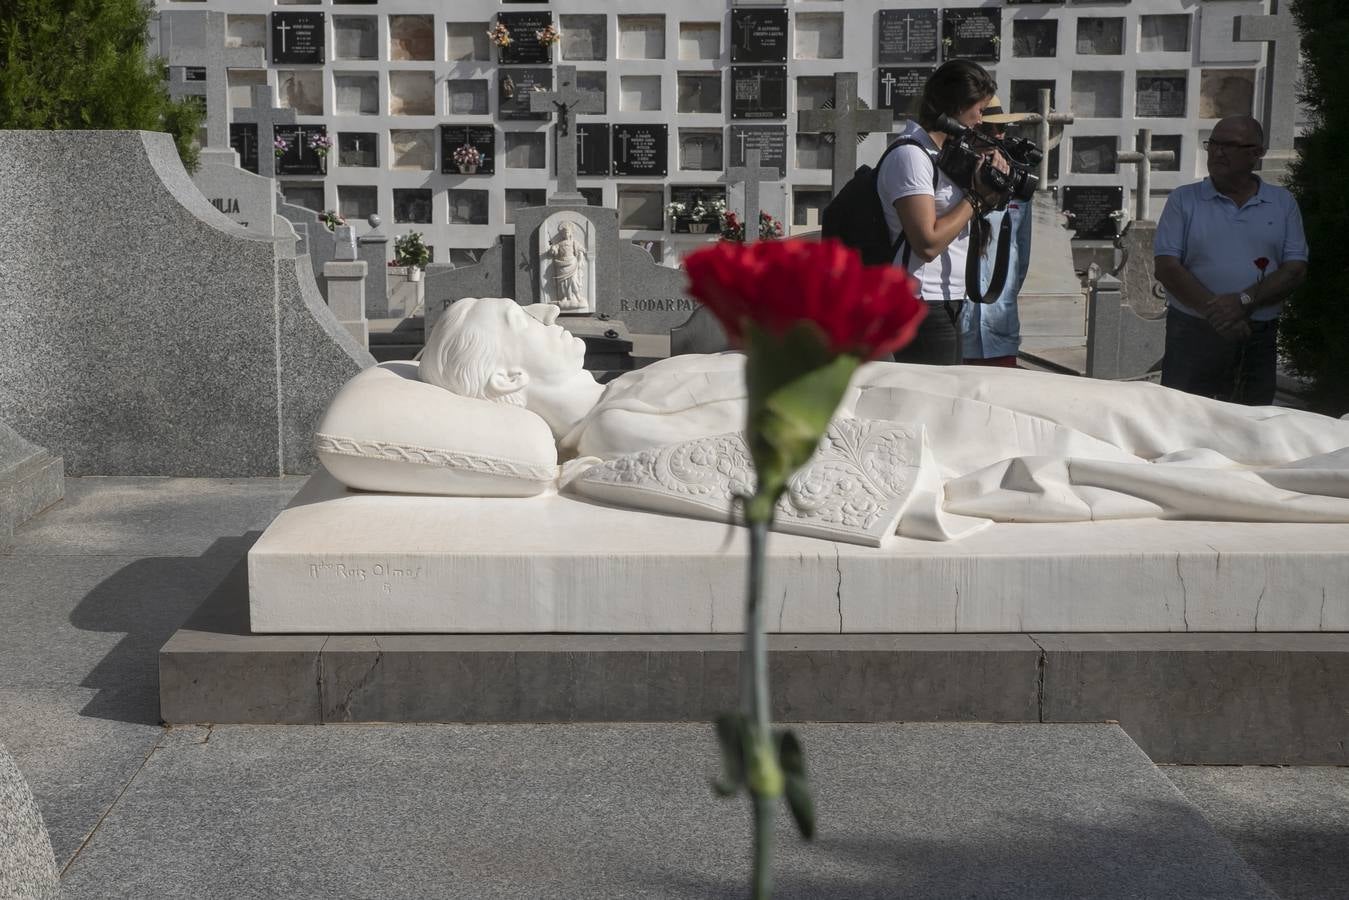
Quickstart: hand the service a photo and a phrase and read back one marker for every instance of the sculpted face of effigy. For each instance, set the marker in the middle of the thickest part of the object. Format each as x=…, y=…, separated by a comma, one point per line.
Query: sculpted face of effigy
x=495, y=349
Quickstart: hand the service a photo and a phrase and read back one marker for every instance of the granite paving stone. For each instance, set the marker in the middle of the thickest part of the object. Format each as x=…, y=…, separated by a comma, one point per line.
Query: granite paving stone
x=1291, y=823
x=926, y=810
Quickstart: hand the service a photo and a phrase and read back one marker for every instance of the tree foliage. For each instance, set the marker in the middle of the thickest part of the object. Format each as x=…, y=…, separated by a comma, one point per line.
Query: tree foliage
x=1315, y=326
x=82, y=64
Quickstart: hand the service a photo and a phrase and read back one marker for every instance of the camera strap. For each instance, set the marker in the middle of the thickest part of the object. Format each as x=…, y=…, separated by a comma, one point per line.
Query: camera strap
x=902, y=241
x=1001, y=262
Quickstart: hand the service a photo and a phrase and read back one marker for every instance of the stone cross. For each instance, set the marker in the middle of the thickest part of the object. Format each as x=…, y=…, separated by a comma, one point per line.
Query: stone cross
x=217, y=60
x=267, y=117
x=566, y=101
x=845, y=121
x=750, y=174
x=1045, y=118
x=1144, y=158
x=180, y=88
x=1279, y=30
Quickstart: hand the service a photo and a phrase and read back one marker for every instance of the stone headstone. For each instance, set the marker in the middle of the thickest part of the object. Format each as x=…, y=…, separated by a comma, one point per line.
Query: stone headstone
x=1142, y=291
x=1120, y=343
x=31, y=479
x=256, y=356
x=27, y=863
x=248, y=199
x=373, y=248
x=592, y=148
x=758, y=92
x=345, y=281
x=344, y=244
x=700, y=333
x=749, y=176
x=315, y=241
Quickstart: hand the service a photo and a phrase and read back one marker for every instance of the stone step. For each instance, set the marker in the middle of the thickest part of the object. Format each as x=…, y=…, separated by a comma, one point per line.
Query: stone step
x=1217, y=698
x=1050, y=812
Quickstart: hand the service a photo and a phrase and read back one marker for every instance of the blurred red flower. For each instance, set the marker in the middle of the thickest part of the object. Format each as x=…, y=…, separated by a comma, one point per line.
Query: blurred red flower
x=866, y=311
x=1262, y=263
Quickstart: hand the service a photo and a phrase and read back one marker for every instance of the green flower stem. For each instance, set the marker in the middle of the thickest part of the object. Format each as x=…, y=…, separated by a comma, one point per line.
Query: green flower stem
x=764, y=776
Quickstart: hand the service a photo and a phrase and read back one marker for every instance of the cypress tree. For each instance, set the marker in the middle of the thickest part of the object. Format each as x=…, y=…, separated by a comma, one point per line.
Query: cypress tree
x=1314, y=331
x=82, y=64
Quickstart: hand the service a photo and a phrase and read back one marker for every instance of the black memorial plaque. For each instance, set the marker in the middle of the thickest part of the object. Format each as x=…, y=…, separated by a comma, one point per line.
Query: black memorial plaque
x=524, y=48
x=592, y=148
x=1090, y=207
x=758, y=35
x=641, y=149
x=907, y=36
x=298, y=37
x=244, y=140
x=769, y=140
x=1160, y=96
x=899, y=89
x=695, y=198
x=972, y=34
x=758, y=92
x=513, y=89
x=482, y=137
x=300, y=158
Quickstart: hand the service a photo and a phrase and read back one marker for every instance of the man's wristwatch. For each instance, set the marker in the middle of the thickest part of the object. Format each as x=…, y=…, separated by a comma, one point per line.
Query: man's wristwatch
x=1247, y=301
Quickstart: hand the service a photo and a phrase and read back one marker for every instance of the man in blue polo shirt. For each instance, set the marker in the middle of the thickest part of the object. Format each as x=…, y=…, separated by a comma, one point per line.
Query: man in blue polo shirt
x=1228, y=250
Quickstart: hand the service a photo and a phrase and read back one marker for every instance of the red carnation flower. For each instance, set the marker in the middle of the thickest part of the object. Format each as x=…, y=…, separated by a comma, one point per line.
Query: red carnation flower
x=1262, y=263
x=866, y=311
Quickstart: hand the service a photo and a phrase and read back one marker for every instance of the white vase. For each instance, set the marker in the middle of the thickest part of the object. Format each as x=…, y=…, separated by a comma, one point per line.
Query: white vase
x=414, y=273
x=698, y=227
x=468, y=170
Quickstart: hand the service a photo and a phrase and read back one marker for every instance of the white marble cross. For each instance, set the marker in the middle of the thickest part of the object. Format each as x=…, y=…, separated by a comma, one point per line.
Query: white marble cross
x=889, y=81
x=1279, y=30
x=749, y=175
x=267, y=117
x=1144, y=158
x=845, y=121
x=217, y=60
x=567, y=100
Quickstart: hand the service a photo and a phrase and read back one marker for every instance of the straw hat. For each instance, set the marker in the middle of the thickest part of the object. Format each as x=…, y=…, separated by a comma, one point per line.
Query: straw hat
x=994, y=113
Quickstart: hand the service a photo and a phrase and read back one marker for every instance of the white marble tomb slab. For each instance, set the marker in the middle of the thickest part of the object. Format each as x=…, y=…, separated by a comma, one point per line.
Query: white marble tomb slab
x=344, y=562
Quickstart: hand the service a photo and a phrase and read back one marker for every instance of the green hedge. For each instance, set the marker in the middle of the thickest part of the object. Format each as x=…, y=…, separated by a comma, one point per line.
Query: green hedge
x=72, y=64
x=1314, y=332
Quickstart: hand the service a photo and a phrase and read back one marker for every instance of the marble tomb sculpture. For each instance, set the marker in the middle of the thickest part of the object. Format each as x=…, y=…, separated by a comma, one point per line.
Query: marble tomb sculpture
x=501, y=407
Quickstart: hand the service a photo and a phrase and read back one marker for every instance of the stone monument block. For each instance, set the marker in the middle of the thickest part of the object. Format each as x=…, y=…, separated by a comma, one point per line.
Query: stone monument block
x=179, y=345
x=27, y=864
x=246, y=198
x=1121, y=344
x=31, y=479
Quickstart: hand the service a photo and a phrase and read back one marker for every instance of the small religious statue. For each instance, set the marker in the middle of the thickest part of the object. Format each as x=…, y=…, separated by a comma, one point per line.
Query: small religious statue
x=567, y=271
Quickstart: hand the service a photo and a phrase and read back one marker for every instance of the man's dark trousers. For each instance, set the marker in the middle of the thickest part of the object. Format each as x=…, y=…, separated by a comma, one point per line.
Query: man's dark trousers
x=1200, y=361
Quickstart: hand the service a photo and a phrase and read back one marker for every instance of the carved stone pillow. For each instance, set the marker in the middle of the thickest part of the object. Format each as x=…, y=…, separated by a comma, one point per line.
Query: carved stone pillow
x=388, y=431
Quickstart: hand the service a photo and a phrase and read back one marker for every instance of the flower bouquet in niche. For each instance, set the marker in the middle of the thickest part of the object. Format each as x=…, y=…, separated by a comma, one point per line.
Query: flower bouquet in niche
x=320, y=143
x=467, y=157
x=548, y=36
x=807, y=314
x=500, y=35
x=280, y=146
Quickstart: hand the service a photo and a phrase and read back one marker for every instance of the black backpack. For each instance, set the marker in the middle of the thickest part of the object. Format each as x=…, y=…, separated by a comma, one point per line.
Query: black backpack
x=856, y=215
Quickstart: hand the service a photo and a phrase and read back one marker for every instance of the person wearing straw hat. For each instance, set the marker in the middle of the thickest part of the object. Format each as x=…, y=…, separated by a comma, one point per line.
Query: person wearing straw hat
x=992, y=331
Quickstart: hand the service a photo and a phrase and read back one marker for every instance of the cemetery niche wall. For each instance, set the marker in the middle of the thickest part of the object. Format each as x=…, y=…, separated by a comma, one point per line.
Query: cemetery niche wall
x=166, y=340
x=676, y=81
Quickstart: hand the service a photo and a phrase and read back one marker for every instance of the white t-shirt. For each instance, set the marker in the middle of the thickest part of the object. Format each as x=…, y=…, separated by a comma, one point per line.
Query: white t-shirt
x=908, y=171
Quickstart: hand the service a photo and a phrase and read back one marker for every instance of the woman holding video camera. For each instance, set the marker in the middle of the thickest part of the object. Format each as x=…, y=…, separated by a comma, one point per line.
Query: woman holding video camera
x=931, y=212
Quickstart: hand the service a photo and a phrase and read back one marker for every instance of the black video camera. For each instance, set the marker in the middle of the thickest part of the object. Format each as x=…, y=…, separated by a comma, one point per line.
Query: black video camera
x=960, y=155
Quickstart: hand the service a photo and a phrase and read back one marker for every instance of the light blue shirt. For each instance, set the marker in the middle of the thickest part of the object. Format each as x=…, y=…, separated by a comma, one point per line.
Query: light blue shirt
x=1219, y=243
x=994, y=329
